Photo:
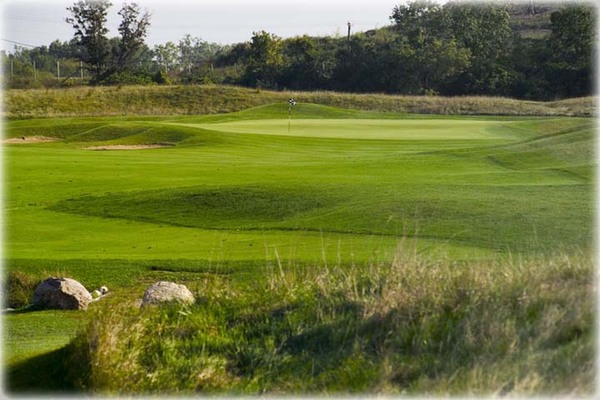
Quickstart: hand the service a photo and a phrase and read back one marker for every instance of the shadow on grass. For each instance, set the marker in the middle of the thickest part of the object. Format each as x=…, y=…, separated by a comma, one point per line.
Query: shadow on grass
x=23, y=310
x=48, y=373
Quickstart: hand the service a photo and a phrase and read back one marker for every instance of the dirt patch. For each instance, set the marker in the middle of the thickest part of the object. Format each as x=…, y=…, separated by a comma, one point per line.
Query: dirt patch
x=129, y=147
x=30, y=139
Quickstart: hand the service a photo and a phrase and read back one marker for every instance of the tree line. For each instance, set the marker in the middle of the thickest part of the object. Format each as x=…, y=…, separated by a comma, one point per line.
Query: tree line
x=458, y=48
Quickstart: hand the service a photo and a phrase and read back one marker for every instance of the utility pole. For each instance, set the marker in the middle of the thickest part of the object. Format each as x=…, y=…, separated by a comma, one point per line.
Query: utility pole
x=349, y=26
x=58, y=70
x=81, y=70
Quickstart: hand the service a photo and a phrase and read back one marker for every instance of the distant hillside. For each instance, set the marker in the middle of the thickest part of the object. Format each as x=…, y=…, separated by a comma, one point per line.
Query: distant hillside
x=532, y=19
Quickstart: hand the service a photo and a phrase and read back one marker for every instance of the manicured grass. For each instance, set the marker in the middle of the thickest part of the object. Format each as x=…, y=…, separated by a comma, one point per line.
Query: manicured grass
x=29, y=333
x=219, y=195
x=235, y=198
x=405, y=129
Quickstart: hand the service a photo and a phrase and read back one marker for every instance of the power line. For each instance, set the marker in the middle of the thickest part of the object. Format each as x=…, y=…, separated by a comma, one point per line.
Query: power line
x=19, y=43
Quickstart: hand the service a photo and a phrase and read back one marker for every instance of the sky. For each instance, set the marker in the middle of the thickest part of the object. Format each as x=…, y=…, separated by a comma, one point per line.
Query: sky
x=39, y=22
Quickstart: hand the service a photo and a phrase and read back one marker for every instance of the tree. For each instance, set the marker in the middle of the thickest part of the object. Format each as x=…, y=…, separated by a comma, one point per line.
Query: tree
x=88, y=18
x=370, y=63
x=427, y=46
x=483, y=29
x=418, y=19
x=133, y=30
x=189, y=52
x=197, y=58
x=266, y=60
x=64, y=50
x=571, y=43
x=166, y=56
x=301, y=59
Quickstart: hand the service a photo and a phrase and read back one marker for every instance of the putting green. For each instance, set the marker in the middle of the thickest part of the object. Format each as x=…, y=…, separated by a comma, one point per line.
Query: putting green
x=405, y=129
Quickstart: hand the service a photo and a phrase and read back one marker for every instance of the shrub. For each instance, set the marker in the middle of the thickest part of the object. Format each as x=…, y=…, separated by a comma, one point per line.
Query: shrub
x=128, y=78
x=161, y=77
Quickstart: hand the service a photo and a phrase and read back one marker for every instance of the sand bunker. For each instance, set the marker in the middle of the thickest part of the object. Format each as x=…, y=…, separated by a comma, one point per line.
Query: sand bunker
x=129, y=147
x=30, y=139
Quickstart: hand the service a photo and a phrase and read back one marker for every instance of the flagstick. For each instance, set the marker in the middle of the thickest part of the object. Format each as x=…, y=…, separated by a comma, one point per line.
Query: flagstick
x=289, y=118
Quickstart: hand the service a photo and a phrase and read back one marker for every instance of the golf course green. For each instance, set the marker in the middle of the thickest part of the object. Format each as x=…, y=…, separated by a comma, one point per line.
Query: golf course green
x=123, y=201
x=235, y=190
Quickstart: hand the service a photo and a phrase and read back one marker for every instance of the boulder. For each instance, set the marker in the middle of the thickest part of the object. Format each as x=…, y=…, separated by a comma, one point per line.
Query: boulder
x=165, y=292
x=62, y=294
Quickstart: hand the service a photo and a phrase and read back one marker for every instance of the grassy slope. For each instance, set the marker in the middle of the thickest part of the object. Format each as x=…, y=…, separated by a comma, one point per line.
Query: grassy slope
x=193, y=100
x=307, y=194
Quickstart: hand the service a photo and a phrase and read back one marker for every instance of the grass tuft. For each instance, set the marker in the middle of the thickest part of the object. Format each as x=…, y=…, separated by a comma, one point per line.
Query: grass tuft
x=18, y=288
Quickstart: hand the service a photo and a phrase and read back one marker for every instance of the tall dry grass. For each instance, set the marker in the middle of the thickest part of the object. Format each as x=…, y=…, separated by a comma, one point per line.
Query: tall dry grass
x=412, y=326
x=210, y=99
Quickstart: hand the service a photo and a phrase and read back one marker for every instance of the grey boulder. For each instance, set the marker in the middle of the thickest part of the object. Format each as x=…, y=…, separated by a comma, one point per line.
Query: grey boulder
x=166, y=292
x=61, y=294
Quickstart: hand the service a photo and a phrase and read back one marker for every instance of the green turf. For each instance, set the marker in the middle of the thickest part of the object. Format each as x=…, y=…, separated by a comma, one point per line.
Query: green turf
x=436, y=129
x=238, y=192
x=224, y=195
x=29, y=334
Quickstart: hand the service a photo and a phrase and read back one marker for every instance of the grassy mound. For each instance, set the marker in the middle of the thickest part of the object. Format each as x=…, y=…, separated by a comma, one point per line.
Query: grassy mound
x=244, y=207
x=408, y=327
x=417, y=211
x=211, y=99
x=112, y=132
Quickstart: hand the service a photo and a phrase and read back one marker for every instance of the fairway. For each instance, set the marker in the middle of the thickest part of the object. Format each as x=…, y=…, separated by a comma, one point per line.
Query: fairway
x=238, y=187
x=237, y=195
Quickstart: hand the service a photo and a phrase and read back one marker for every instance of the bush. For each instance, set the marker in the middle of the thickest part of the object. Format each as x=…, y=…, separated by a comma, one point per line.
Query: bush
x=128, y=78
x=161, y=77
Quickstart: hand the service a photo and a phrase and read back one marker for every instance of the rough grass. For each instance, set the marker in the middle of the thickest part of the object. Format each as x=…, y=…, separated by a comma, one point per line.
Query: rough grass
x=211, y=99
x=412, y=326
